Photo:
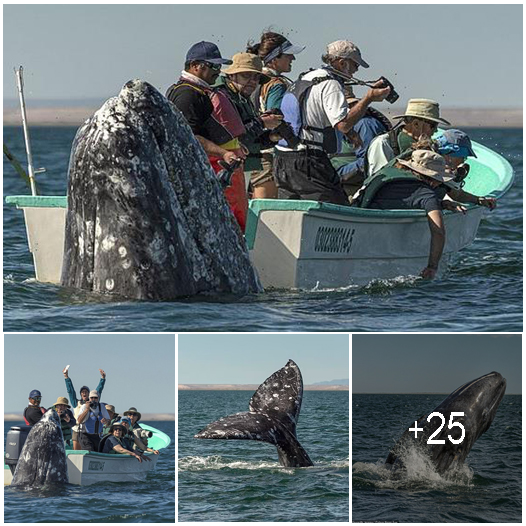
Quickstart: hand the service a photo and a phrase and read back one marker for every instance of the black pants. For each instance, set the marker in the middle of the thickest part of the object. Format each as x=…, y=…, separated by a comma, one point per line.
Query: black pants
x=89, y=441
x=308, y=175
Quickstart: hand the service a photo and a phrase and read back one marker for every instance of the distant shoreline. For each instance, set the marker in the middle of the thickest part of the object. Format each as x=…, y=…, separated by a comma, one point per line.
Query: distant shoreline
x=459, y=117
x=146, y=417
x=253, y=387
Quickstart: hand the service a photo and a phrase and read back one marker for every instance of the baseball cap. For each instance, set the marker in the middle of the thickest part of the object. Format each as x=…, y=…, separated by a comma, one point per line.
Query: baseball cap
x=455, y=143
x=346, y=49
x=206, y=51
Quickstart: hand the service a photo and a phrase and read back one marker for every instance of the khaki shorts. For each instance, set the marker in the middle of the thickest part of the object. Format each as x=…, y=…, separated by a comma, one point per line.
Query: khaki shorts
x=259, y=177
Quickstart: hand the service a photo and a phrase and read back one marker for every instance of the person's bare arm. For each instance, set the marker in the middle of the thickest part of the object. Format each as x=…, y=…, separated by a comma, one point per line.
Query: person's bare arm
x=83, y=414
x=438, y=239
x=124, y=451
x=466, y=197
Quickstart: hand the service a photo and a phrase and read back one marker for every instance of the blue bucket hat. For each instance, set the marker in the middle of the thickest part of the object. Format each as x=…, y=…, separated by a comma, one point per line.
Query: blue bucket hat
x=455, y=143
x=206, y=51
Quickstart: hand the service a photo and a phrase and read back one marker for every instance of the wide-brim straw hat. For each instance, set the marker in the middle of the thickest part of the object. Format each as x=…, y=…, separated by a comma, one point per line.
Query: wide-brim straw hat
x=247, y=63
x=118, y=424
x=132, y=410
x=428, y=163
x=425, y=109
x=62, y=400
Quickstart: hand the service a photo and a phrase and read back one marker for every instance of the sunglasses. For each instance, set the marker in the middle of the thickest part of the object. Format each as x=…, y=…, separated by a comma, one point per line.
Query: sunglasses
x=37, y=398
x=214, y=67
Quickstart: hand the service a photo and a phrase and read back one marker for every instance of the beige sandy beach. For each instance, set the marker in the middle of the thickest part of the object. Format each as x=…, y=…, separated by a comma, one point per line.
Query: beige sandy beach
x=459, y=118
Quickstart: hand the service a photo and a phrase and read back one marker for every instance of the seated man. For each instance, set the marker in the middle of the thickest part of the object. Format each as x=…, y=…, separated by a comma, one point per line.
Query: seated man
x=141, y=435
x=412, y=184
x=455, y=147
x=114, y=443
x=67, y=420
x=420, y=120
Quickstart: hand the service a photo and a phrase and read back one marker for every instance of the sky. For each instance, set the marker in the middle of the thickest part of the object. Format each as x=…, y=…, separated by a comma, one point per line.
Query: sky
x=140, y=369
x=460, y=55
x=431, y=363
x=251, y=358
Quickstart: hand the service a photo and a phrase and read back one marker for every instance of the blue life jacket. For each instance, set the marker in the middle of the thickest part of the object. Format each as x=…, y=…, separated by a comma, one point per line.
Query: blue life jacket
x=292, y=107
x=92, y=424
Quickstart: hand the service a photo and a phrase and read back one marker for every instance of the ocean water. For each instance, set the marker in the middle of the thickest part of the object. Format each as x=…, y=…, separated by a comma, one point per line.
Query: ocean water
x=150, y=501
x=242, y=480
x=487, y=489
x=482, y=291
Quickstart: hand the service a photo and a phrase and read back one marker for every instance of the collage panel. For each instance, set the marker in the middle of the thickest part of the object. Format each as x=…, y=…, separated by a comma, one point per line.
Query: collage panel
x=89, y=428
x=437, y=428
x=263, y=428
x=263, y=176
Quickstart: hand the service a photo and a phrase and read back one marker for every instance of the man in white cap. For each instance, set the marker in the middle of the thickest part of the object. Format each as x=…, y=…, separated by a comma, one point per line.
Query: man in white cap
x=420, y=120
x=413, y=184
x=316, y=108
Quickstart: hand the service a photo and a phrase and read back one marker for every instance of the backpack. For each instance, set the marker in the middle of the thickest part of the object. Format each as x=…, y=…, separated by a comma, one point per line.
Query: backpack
x=292, y=107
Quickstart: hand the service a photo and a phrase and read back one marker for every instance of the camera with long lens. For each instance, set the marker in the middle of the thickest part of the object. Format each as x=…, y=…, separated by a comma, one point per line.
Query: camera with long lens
x=393, y=95
x=284, y=130
x=145, y=434
x=461, y=173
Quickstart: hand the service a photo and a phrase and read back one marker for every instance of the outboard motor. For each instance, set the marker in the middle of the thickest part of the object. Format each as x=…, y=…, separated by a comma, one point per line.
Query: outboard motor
x=15, y=440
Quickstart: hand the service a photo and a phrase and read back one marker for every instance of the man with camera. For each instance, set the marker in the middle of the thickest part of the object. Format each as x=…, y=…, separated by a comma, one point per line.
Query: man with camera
x=91, y=419
x=141, y=435
x=316, y=107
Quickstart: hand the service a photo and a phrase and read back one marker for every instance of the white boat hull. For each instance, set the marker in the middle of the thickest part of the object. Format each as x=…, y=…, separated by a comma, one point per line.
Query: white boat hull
x=317, y=247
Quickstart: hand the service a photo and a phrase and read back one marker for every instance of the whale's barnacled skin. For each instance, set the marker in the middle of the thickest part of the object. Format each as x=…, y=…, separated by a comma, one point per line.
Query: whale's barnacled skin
x=478, y=400
x=43, y=457
x=146, y=217
x=273, y=413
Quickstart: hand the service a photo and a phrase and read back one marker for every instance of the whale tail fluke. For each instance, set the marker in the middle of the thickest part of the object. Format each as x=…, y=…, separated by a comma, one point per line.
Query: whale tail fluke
x=272, y=417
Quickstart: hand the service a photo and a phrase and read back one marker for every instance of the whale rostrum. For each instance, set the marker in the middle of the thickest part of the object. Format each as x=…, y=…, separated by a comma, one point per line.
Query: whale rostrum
x=478, y=400
x=272, y=417
x=43, y=457
x=147, y=218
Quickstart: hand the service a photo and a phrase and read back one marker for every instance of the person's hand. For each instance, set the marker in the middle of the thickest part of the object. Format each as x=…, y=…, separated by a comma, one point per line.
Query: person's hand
x=66, y=417
x=102, y=373
x=144, y=457
x=354, y=139
x=138, y=457
x=271, y=121
x=104, y=420
x=155, y=452
x=428, y=273
x=231, y=157
x=65, y=372
x=453, y=206
x=377, y=93
x=488, y=202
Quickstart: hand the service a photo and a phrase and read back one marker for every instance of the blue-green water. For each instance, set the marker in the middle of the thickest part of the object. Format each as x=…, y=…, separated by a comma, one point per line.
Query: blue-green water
x=242, y=480
x=481, y=292
x=489, y=489
x=150, y=501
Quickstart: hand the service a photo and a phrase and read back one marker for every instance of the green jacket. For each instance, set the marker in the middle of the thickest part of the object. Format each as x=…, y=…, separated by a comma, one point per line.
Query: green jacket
x=256, y=136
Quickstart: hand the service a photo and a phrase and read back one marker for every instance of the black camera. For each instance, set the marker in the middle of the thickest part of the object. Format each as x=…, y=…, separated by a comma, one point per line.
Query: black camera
x=393, y=96
x=145, y=434
x=284, y=130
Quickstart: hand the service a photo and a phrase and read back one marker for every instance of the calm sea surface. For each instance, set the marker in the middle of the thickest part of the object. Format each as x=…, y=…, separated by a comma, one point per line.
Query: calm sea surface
x=488, y=489
x=481, y=292
x=150, y=501
x=242, y=480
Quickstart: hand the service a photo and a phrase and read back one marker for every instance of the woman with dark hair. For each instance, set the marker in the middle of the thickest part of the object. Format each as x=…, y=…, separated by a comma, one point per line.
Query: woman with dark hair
x=277, y=54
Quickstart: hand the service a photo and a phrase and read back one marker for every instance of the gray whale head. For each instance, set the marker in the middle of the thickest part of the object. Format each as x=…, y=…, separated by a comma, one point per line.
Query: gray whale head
x=147, y=218
x=478, y=400
x=43, y=457
x=274, y=410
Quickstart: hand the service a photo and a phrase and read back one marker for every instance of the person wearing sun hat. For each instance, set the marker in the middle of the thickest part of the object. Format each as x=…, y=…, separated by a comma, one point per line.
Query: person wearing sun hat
x=67, y=420
x=415, y=184
x=420, y=120
x=114, y=443
x=237, y=83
